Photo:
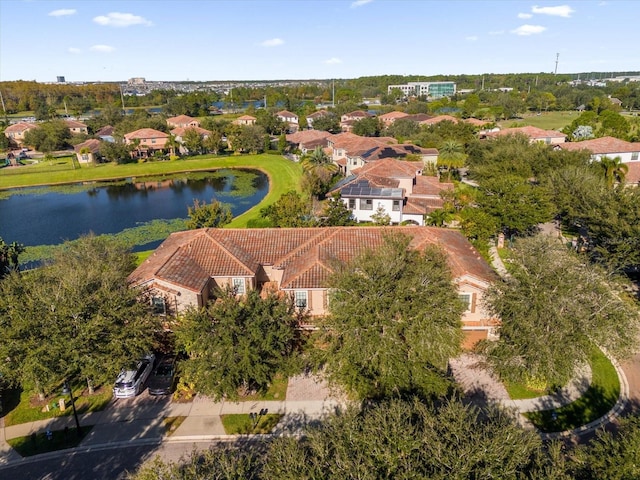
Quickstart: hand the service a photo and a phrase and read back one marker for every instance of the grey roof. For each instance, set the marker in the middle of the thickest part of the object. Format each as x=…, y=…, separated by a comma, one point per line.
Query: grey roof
x=362, y=189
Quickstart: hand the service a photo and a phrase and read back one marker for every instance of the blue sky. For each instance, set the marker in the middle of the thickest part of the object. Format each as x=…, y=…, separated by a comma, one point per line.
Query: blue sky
x=297, y=39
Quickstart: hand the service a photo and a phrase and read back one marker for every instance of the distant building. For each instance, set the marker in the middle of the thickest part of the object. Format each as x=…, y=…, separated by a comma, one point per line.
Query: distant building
x=60, y=79
x=431, y=90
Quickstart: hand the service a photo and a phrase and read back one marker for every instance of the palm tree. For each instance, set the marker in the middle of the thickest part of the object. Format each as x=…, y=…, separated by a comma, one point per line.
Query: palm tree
x=451, y=156
x=614, y=170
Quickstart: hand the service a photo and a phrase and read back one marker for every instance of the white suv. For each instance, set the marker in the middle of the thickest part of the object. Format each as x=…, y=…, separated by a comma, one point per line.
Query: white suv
x=131, y=382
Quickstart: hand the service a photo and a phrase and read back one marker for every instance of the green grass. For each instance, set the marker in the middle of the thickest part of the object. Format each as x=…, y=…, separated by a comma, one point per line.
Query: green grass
x=242, y=424
x=283, y=174
x=546, y=120
x=596, y=402
x=23, y=407
x=142, y=256
x=276, y=391
x=518, y=391
x=36, y=444
x=171, y=424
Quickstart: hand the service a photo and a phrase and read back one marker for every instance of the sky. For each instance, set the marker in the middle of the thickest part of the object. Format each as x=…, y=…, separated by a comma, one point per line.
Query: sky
x=217, y=40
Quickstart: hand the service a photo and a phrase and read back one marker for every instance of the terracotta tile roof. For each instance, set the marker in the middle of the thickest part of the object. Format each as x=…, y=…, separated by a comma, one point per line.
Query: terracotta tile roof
x=438, y=119
x=395, y=151
x=391, y=168
x=476, y=122
x=74, y=124
x=180, y=120
x=246, y=117
x=633, y=174
x=342, y=162
x=92, y=144
x=603, y=146
x=318, y=114
x=20, y=127
x=303, y=136
x=418, y=117
x=422, y=206
x=180, y=131
x=189, y=258
x=357, y=114
x=430, y=186
x=145, y=133
x=395, y=115
x=529, y=131
x=105, y=131
x=286, y=114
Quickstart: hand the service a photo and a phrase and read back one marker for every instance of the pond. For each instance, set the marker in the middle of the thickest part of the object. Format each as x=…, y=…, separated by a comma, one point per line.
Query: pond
x=52, y=215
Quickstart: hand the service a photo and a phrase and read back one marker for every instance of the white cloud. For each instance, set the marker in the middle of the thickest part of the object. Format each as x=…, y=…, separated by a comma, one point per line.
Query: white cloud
x=359, y=3
x=63, y=12
x=559, y=11
x=471, y=38
x=102, y=48
x=117, y=19
x=273, y=42
x=497, y=32
x=525, y=15
x=525, y=30
x=333, y=61
x=74, y=50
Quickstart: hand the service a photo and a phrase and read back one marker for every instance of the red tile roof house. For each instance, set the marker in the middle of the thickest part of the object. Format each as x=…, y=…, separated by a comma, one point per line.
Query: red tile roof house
x=76, y=127
x=180, y=132
x=188, y=266
x=88, y=151
x=346, y=147
x=348, y=119
x=308, y=140
x=395, y=185
x=182, y=121
x=245, y=120
x=535, y=134
x=390, y=117
x=149, y=141
x=438, y=119
x=629, y=153
x=289, y=118
x=15, y=133
x=312, y=117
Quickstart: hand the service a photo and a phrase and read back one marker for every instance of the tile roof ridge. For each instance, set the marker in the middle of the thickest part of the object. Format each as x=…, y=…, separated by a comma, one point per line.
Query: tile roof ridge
x=291, y=255
x=229, y=252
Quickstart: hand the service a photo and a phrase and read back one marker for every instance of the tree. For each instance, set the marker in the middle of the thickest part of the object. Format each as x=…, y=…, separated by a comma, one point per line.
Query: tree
x=203, y=215
x=282, y=143
x=438, y=217
x=614, y=170
x=451, y=155
x=49, y=136
x=516, y=204
x=213, y=142
x=193, y=141
x=367, y=127
x=327, y=123
x=116, y=151
x=238, y=342
x=291, y=210
x=9, y=253
x=570, y=305
x=381, y=217
x=319, y=172
x=337, y=214
x=394, y=321
x=76, y=317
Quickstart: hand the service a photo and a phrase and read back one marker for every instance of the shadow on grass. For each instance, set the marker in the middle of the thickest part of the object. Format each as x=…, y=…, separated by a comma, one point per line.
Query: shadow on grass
x=38, y=443
x=243, y=424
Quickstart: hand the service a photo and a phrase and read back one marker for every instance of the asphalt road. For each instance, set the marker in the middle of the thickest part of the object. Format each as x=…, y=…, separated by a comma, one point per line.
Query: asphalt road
x=111, y=464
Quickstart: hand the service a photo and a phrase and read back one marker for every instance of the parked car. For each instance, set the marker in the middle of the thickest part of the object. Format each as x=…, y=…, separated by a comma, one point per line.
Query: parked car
x=131, y=382
x=163, y=377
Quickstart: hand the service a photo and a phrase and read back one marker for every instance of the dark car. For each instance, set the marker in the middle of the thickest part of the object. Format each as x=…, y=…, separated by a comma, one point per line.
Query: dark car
x=162, y=379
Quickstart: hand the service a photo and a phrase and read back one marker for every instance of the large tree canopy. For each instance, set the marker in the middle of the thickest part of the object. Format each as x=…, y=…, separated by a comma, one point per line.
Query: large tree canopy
x=394, y=321
x=553, y=307
x=76, y=316
x=238, y=342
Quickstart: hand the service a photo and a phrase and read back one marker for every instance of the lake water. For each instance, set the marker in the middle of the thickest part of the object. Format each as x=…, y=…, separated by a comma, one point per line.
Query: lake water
x=52, y=215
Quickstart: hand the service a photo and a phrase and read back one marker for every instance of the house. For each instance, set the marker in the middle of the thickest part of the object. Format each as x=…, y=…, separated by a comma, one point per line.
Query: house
x=308, y=140
x=147, y=141
x=106, y=133
x=611, y=147
x=418, y=117
x=180, y=132
x=76, y=127
x=390, y=117
x=396, y=186
x=535, y=134
x=346, y=148
x=88, y=151
x=289, y=118
x=312, y=117
x=245, y=120
x=182, y=121
x=348, y=119
x=476, y=122
x=438, y=119
x=16, y=132
x=188, y=266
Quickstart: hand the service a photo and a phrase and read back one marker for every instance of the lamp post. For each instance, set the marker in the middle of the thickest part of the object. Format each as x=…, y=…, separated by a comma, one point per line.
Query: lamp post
x=65, y=390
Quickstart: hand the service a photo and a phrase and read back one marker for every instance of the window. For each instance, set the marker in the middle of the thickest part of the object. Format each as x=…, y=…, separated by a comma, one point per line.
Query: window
x=238, y=286
x=366, y=204
x=300, y=298
x=352, y=204
x=465, y=298
x=159, y=305
x=634, y=156
x=85, y=157
x=396, y=205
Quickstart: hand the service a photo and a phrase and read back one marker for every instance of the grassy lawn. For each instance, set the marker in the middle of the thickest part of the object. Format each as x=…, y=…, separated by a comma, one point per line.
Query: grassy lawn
x=546, y=120
x=596, y=402
x=23, y=407
x=283, y=174
x=242, y=424
x=171, y=424
x=276, y=391
x=36, y=444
